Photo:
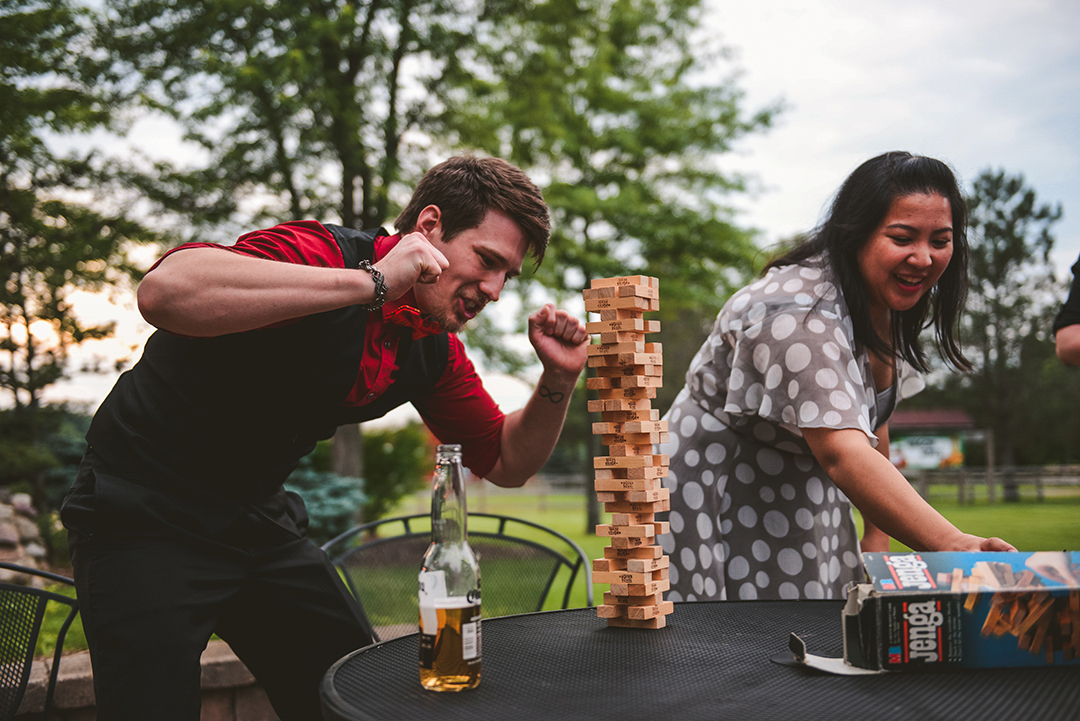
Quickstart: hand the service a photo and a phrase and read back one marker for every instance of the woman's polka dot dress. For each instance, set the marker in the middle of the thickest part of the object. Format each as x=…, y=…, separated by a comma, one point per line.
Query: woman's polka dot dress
x=753, y=514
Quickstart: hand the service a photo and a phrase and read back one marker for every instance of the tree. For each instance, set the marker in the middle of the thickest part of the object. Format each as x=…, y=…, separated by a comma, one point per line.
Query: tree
x=616, y=104
x=1015, y=389
x=50, y=245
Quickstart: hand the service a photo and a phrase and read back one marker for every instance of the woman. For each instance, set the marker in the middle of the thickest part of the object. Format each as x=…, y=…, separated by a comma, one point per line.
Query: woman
x=783, y=416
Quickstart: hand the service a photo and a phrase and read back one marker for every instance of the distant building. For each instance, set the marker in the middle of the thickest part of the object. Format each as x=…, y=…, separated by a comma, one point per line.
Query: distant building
x=928, y=437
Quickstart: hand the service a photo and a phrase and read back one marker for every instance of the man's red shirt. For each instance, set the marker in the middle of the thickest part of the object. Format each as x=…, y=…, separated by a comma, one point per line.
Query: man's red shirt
x=458, y=410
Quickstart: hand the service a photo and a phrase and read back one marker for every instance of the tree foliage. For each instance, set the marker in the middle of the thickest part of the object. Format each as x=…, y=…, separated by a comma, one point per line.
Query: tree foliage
x=397, y=462
x=1017, y=388
x=51, y=243
x=303, y=109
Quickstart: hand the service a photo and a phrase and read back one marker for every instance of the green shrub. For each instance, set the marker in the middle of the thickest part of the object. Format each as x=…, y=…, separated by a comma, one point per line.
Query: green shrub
x=397, y=463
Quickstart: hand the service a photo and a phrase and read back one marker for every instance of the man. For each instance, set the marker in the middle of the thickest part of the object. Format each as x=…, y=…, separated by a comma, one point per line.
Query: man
x=1067, y=323
x=178, y=522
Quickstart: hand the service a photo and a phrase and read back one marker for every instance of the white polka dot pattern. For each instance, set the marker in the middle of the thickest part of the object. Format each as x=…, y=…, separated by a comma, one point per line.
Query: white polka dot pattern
x=753, y=514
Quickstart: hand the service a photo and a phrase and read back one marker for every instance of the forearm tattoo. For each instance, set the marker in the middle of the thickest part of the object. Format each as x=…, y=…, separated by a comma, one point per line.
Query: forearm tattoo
x=555, y=397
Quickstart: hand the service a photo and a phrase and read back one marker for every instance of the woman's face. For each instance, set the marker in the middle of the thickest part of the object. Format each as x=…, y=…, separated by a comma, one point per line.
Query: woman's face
x=907, y=252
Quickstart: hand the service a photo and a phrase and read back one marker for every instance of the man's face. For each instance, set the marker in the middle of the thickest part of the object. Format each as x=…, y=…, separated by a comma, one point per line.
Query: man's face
x=481, y=259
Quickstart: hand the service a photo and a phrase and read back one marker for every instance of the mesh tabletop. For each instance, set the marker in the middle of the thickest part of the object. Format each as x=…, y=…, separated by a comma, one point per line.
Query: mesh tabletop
x=711, y=662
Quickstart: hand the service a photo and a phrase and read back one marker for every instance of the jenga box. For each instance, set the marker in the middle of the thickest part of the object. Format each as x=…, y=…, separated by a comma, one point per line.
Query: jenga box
x=931, y=611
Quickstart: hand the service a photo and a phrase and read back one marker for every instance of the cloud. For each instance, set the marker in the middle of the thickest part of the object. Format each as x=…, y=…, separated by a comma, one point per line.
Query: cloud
x=979, y=84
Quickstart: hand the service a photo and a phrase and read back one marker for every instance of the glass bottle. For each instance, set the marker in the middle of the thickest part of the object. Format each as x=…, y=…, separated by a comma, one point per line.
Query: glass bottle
x=449, y=586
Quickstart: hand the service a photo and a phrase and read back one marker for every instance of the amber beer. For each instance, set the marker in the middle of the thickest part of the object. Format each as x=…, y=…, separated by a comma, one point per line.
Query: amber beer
x=450, y=658
x=449, y=586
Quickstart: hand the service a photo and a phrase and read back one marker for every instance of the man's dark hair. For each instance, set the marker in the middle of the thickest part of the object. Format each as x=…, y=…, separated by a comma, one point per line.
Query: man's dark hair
x=858, y=209
x=465, y=188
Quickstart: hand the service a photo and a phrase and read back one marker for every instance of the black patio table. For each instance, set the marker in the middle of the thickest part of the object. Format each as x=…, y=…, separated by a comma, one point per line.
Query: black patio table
x=711, y=662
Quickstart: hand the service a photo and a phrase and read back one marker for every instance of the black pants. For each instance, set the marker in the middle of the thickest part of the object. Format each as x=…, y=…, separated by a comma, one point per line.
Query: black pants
x=150, y=601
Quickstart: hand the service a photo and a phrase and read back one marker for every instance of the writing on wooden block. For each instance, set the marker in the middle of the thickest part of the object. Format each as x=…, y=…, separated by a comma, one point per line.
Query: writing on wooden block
x=637, y=324
x=640, y=589
x=644, y=530
x=628, y=507
x=641, y=552
x=625, y=280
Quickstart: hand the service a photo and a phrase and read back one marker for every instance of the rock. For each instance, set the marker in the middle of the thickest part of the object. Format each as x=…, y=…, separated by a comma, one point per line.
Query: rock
x=24, y=504
x=9, y=535
x=28, y=530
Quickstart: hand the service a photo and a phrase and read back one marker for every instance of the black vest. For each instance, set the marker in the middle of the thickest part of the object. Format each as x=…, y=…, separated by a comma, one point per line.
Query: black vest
x=234, y=414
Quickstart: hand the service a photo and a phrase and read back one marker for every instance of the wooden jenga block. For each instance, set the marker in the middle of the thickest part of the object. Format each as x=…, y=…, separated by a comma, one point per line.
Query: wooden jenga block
x=650, y=461
x=618, y=404
x=643, y=612
x=599, y=304
x=648, y=600
x=615, y=348
x=638, y=325
x=634, y=439
x=640, y=589
x=627, y=484
x=627, y=427
x=610, y=611
x=628, y=577
x=644, y=531
x=626, y=359
x=628, y=507
x=628, y=393
x=645, y=472
x=646, y=565
x=629, y=370
x=642, y=552
x=658, y=622
x=623, y=382
x=631, y=519
x=624, y=280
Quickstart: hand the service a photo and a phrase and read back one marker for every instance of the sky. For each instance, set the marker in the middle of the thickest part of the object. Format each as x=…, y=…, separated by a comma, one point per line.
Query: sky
x=976, y=83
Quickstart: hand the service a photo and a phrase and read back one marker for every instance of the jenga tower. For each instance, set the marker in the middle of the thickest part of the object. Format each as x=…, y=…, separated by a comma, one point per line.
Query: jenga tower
x=628, y=479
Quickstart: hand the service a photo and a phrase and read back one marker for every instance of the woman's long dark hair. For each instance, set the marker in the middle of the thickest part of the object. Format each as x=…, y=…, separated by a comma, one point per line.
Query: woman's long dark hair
x=858, y=209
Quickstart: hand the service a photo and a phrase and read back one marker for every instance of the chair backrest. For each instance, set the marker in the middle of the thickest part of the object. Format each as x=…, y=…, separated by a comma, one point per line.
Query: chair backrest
x=524, y=567
x=22, y=610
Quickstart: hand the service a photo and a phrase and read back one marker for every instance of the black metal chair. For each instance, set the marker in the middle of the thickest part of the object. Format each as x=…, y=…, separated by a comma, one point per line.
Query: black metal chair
x=524, y=567
x=22, y=610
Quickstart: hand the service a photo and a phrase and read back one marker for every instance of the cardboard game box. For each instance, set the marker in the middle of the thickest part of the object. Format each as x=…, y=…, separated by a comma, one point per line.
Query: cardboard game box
x=926, y=611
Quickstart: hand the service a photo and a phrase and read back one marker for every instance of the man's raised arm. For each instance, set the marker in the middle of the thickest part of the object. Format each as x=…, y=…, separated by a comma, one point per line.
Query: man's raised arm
x=529, y=434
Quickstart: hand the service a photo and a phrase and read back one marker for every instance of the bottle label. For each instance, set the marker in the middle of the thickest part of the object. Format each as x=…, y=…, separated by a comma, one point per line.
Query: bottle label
x=456, y=633
x=470, y=637
x=432, y=587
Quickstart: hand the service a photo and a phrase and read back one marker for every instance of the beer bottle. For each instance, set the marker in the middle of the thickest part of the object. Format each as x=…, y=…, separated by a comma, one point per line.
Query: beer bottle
x=449, y=586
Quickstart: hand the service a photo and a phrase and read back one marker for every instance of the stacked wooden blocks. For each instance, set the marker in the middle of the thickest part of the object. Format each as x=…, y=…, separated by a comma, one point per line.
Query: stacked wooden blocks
x=628, y=479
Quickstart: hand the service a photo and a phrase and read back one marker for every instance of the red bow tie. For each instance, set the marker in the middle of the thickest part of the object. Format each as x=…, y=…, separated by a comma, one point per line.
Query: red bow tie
x=409, y=317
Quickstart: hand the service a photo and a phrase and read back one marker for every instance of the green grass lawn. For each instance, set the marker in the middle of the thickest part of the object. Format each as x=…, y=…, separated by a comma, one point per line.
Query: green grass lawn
x=1031, y=525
